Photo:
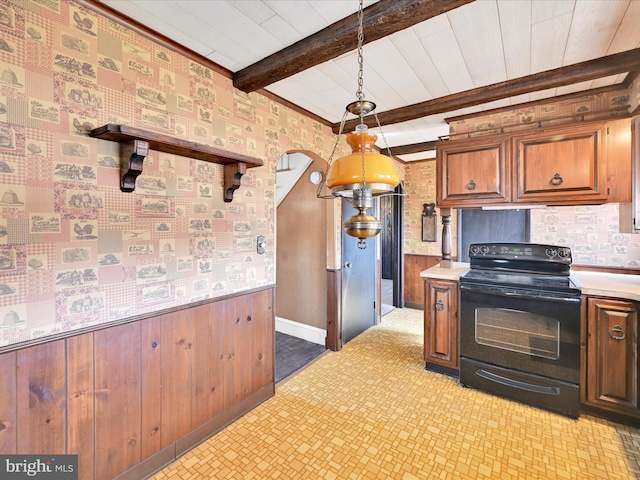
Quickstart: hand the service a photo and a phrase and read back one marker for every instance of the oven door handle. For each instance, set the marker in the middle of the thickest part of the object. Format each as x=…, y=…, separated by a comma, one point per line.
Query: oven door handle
x=519, y=293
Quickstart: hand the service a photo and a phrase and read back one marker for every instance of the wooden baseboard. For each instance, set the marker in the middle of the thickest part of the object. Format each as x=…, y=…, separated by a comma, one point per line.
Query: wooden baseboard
x=153, y=464
x=161, y=459
x=434, y=367
x=416, y=306
x=611, y=416
x=213, y=426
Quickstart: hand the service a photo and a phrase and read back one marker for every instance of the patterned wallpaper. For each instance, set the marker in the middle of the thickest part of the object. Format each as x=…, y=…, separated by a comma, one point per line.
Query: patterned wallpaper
x=74, y=250
x=583, y=108
x=420, y=184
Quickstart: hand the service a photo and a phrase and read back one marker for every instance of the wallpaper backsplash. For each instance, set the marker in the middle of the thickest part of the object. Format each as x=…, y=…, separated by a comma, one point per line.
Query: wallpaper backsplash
x=591, y=231
x=74, y=250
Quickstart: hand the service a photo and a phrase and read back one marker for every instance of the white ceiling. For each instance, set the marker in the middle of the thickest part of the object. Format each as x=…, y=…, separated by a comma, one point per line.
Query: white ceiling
x=478, y=44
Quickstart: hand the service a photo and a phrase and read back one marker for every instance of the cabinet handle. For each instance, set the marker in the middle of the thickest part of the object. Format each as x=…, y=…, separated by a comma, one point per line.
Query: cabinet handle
x=617, y=333
x=556, y=180
x=439, y=305
x=471, y=185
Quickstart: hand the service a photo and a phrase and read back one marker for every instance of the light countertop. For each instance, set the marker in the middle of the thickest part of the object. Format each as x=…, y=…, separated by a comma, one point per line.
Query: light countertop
x=613, y=285
x=453, y=273
x=608, y=284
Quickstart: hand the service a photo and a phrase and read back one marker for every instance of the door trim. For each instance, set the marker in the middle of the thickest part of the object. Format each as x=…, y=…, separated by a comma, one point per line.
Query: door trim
x=334, y=310
x=397, y=247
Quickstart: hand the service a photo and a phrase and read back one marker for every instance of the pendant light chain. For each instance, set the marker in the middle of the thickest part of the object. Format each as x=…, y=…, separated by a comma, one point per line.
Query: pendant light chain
x=330, y=161
x=384, y=139
x=360, y=92
x=342, y=175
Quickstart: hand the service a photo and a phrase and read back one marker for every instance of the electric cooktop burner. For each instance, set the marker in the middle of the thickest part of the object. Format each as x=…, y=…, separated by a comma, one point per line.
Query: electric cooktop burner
x=522, y=265
x=554, y=283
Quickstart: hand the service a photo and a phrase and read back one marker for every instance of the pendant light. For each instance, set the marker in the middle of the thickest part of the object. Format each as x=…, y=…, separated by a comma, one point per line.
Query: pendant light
x=363, y=174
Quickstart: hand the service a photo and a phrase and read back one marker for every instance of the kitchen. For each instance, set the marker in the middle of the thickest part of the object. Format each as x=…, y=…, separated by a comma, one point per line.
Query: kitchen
x=170, y=275
x=536, y=281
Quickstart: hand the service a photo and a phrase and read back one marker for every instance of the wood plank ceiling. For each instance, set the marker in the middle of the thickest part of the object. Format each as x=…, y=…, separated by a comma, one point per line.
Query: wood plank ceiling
x=424, y=60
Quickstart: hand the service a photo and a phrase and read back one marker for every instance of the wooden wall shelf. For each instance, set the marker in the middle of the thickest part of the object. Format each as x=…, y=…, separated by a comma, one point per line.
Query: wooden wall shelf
x=135, y=144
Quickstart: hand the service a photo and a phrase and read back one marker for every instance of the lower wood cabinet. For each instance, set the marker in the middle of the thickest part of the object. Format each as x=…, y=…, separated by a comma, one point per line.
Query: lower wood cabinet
x=441, y=326
x=610, y=376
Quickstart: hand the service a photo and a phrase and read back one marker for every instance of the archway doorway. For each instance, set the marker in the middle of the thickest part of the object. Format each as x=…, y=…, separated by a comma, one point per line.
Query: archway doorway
x=309, y=261
x=301, y=248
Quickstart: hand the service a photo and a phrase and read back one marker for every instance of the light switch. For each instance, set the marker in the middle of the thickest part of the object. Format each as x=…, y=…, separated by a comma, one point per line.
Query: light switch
x=261, y=244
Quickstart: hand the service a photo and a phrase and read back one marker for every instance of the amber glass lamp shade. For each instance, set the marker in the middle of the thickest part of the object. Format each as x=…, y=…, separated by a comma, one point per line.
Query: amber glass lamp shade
x=345, y=173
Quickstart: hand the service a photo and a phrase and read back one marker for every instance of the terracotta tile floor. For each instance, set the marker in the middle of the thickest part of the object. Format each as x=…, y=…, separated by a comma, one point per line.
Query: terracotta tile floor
x=371, y=411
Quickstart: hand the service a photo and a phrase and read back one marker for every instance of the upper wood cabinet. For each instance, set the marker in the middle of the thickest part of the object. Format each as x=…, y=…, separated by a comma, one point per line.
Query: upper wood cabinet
x=473, y=172
x=620, y=160
x=588, y=163
x=635, y=142
x=565, y=165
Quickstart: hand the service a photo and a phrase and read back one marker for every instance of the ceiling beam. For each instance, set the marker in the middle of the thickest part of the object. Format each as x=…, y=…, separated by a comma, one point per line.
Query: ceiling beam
x=379, y=20
x=412, y=148
x=431, y=145
x=618, y=87
x=623, y=62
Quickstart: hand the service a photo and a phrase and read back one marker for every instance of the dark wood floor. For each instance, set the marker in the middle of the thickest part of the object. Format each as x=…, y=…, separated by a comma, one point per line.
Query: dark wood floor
x=293, y=353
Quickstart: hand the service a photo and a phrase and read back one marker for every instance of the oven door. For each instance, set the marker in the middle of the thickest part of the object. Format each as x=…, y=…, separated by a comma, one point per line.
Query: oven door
x=527, y=331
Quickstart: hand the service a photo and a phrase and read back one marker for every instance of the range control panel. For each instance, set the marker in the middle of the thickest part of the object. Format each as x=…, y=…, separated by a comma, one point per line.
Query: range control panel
x=521, y=251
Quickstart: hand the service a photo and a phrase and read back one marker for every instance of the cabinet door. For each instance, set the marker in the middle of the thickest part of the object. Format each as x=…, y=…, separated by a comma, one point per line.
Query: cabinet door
x=619, y=161
x=612, y=360
x=441, y=323
x=561, y=166
x=473, y=172
x=635, y=156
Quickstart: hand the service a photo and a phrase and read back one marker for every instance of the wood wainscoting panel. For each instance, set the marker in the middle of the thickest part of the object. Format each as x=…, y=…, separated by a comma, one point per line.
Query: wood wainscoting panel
x=263, y=338
x=128, y=399
x=80, y=400
x=118, y=402
x=229, y=314
x=8, y=404
x=413, y=282
x=207, y=386
x=151, y=385
x=176, y=344
x=243, y=342
x=41, y=401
